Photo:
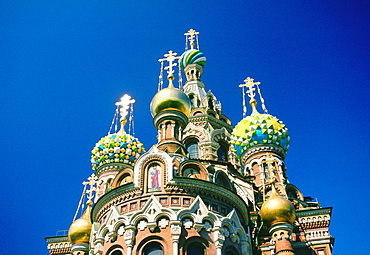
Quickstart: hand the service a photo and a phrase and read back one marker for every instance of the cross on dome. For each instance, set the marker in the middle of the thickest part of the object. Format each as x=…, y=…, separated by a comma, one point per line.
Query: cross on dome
x=249, y=82
x=190, y=37
x=124, y=105
x=92, y=181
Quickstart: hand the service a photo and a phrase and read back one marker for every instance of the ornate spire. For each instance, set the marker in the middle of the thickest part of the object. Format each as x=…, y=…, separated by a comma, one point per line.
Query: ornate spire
x=124, y=105
x=170, y=57
x=190, y=36
x=92, y=181
x=249, y=82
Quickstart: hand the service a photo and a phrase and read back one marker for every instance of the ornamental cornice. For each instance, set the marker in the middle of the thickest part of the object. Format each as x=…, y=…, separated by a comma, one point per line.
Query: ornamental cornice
x=262, y=148
x=111, y=167
x=113, y=197
x=314, y=212
x=210, y=119
x=211, y=190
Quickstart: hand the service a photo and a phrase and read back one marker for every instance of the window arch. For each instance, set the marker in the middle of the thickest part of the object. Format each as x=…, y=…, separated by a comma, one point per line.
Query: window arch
x=230, y=250
x=192, y=148
x=222, y=153
x=195, y=249
x=115, y=250
x=153, y=248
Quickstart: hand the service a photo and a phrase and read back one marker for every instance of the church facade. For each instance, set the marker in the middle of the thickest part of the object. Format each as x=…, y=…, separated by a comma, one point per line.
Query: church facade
x=205, y=188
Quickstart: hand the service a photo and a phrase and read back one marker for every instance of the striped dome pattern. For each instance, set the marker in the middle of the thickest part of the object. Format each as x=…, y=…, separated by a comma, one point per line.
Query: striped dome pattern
x=192, y=56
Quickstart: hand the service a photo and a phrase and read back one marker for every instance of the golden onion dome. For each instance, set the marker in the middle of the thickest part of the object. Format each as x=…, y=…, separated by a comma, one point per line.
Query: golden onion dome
x=277, y=209
x=79, y=231
x=170, y=98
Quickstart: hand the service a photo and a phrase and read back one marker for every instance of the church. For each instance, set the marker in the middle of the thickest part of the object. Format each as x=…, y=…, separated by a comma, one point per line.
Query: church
x=205, y=188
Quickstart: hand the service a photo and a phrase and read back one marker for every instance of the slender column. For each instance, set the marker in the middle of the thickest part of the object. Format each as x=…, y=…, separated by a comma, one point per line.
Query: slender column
x=129, y=238
x=175, y=232
x=219, y=240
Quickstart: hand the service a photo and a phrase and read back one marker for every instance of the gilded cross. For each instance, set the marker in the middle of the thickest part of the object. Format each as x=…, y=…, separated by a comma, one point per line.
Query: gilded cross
x=190, y=36
x=92, y=181
x=170, y=57
x=124, y=104
x=249, y=82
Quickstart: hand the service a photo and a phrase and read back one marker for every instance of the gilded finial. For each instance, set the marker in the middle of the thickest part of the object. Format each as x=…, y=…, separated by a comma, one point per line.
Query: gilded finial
x=124, y=104
x=191, y=35
x=170, y=57
x=92, y=181
x=249, y=82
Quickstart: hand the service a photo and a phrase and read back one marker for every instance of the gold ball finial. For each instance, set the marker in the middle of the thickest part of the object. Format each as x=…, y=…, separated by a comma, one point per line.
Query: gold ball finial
x=80, y=229
x=277, y=209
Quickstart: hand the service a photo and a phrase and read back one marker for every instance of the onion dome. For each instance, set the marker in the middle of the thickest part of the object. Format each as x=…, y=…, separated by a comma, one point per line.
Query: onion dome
x=170, y=98
x=116, y=148
x=259, y=129
x=80, y=229
x=277, y=209
x=192, y=56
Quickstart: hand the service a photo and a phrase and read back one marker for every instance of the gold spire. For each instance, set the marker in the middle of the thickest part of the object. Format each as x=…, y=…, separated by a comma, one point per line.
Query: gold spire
x=249, y=82
x=190, y=36
x=170, y=57
x=124, y=105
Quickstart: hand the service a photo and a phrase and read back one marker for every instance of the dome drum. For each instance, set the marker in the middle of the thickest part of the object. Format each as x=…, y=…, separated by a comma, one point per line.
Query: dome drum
x=178, y=117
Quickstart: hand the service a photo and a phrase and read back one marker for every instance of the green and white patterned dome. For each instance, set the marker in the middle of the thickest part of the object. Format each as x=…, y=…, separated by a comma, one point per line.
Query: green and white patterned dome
x=116, y=148
x=259, y=129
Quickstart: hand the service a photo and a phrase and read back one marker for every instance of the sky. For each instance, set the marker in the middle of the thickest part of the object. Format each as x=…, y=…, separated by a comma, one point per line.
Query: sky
x=63, y=65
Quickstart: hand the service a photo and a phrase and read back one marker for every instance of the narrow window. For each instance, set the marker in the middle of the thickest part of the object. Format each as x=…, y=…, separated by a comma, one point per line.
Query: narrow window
x=192, y=148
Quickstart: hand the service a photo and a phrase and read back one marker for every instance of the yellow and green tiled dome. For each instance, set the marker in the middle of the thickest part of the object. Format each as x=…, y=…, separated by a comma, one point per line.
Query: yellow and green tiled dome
x=116, y=148
x=259, y=129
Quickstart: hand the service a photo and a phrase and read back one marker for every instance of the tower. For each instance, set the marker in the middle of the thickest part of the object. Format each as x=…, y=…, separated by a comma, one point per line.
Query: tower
x=205, y=187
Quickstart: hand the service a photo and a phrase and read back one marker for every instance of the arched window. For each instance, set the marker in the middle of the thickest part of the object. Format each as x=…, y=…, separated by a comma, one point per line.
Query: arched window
x=231, y=251
x=192, y=148
x=153, y=248
x=115, y=250
x=195, y=249
x=222, y=153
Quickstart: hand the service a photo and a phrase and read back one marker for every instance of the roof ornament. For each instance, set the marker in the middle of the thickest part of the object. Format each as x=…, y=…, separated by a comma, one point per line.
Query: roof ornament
x=123, y=107
x=249, y=82
x=170, y=57
x=89, y=193
x=190, y=37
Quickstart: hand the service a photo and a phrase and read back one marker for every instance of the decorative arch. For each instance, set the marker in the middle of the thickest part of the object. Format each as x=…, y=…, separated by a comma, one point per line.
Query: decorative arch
x=199, y=214
x=197, y=132
x=151, y=213
x=192, y=169
x=197, y=112
x=148, y=159
x=125, y=176
x=222, y=137
x=144, y=247
x=196, y=246
x=115, y=250
x=222, y=179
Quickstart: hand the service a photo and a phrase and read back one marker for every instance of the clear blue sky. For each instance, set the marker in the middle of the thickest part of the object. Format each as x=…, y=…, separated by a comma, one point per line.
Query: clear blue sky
x=63, y=65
